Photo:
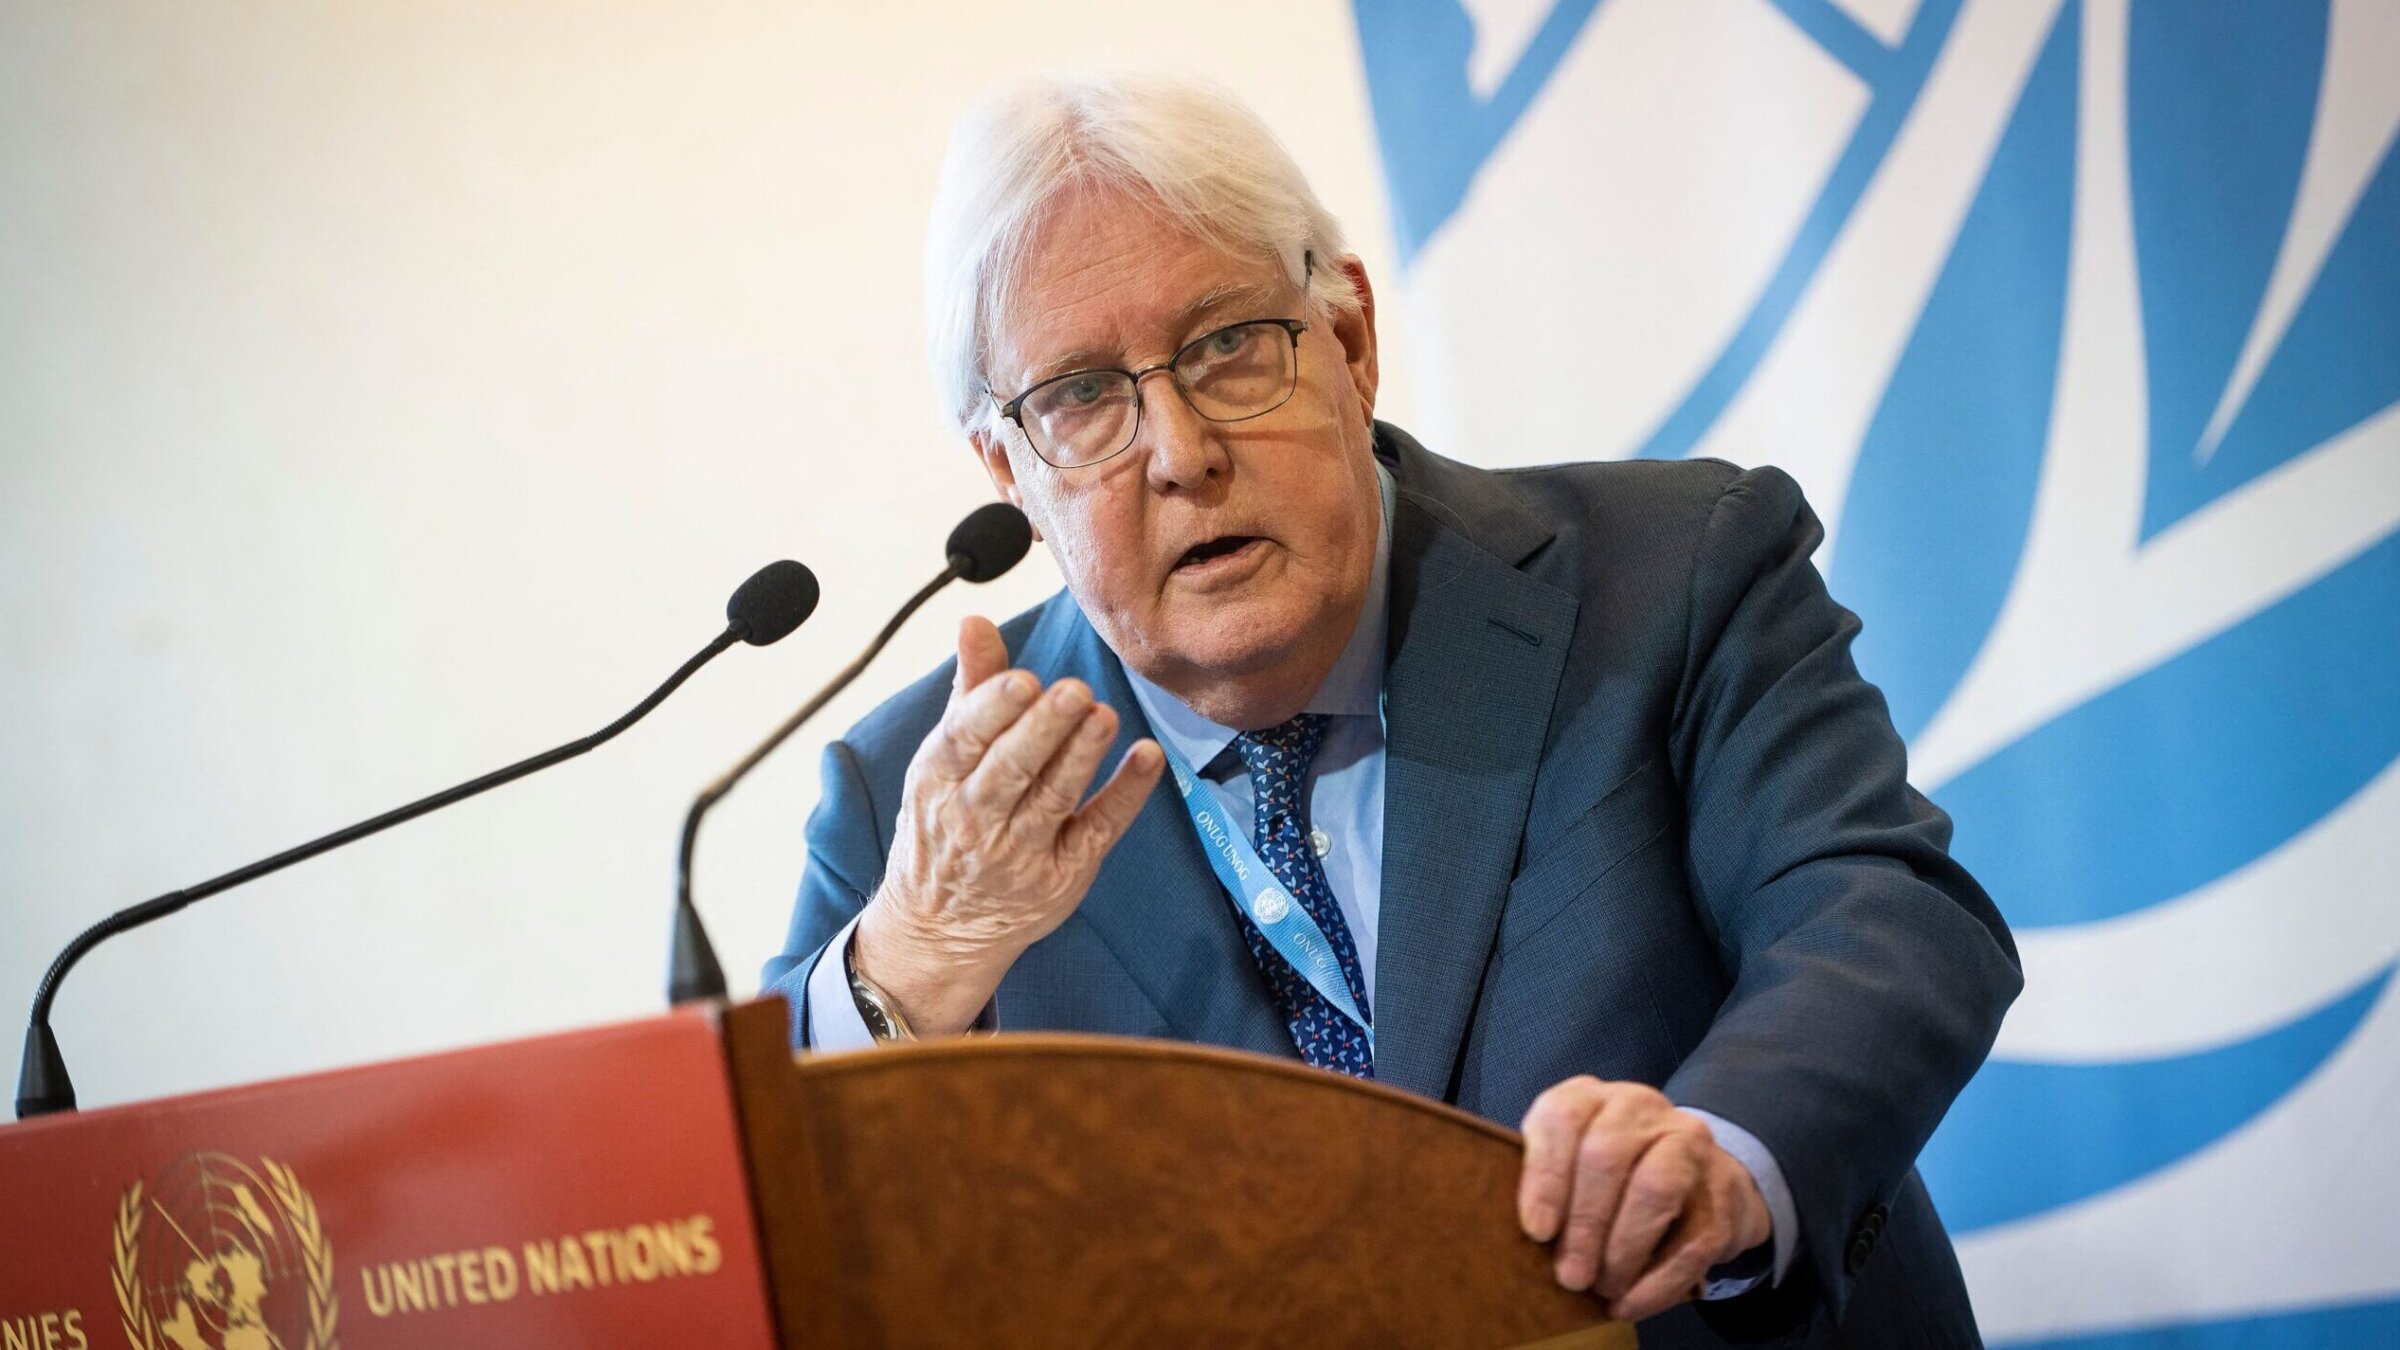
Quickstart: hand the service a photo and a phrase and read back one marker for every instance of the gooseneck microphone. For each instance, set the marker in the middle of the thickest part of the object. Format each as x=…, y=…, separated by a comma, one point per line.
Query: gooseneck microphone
x=992, y=539
x=767, y=607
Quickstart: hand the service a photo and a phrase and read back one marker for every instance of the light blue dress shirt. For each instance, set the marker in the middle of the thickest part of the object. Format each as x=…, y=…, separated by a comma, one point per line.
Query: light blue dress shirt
x=1345, y=807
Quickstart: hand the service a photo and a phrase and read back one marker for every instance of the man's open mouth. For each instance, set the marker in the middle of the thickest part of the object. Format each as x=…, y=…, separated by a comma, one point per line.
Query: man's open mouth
x=1200, y=554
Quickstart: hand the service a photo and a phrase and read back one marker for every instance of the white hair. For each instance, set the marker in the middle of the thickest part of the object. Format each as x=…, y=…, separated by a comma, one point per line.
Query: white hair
x=1188, y=150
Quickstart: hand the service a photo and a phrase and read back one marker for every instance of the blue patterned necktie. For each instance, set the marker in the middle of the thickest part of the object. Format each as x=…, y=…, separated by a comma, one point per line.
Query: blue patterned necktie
x=1279, y=759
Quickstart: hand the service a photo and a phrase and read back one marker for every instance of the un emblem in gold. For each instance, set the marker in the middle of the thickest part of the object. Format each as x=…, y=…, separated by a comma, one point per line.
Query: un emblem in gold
x=217, y=1256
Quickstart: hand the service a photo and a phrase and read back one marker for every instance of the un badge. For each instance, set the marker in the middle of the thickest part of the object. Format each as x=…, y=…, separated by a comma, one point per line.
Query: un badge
x=219, y=1257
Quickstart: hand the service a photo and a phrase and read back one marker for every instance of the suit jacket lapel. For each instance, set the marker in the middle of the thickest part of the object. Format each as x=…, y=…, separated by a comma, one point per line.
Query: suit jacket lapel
x=1155, y=904
x=1474, y=656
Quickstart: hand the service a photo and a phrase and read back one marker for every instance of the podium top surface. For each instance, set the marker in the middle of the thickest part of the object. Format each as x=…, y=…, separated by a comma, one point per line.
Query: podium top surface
x=1048, y=1190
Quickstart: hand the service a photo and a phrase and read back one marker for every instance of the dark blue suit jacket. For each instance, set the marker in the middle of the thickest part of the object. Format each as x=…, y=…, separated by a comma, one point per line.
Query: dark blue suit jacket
x=1643, y=820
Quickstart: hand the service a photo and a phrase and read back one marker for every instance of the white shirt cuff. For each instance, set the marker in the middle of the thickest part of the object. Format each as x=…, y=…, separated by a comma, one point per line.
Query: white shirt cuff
x=833, y=1019
x=1783, y=1217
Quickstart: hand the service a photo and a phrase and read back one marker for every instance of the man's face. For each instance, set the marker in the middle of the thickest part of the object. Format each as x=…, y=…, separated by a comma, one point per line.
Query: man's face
x=1225, y=561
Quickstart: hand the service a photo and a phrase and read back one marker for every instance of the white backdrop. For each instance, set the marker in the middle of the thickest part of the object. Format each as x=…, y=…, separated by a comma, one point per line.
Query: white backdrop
x=391, y=390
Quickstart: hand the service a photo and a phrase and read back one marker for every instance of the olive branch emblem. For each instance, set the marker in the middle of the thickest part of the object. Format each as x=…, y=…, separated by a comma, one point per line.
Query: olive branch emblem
x=299, y=1213
x=316, y=1254
x=126, y=1277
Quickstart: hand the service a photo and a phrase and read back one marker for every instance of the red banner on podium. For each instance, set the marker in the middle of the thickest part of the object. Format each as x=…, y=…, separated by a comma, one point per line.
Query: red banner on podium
x=583, y=1190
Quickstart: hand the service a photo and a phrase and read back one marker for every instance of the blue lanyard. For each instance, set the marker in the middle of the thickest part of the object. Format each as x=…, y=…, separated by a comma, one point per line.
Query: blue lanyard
x=1284, y=922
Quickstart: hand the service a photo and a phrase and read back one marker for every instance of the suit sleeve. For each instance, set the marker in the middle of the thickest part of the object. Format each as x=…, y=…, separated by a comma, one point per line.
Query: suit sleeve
x=845, y=864
x=1869, y=971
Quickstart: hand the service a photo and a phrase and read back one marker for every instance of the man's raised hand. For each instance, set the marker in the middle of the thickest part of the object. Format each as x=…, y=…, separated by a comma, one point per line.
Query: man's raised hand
x=995, y=844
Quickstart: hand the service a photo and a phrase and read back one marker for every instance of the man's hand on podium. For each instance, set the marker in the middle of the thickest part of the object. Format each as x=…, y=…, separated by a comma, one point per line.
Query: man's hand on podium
x=1637, y=1193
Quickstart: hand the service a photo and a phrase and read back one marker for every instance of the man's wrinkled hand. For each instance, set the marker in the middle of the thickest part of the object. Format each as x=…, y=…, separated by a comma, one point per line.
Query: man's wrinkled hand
x=1638, y=1196
x=995, y=844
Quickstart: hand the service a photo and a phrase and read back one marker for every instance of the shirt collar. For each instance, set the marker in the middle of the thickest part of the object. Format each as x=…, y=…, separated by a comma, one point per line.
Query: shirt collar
x=1353, y=688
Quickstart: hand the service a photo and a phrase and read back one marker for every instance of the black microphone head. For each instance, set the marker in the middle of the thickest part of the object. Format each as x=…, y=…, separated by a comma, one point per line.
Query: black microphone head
x=776, y=599
x=992, y=539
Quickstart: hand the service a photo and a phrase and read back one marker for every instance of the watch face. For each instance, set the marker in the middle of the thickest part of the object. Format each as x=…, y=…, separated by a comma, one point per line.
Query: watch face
x=872, y=1011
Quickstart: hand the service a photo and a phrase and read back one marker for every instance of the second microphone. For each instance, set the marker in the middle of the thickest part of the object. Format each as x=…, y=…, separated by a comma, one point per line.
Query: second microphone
x=992, y=539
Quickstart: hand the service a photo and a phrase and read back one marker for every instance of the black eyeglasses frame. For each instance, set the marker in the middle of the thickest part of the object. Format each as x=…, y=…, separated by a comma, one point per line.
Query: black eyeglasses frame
x=1009, y=411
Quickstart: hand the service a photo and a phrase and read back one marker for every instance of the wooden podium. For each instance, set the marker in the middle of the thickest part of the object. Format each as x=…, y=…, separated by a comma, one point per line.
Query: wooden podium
x=683, y=1181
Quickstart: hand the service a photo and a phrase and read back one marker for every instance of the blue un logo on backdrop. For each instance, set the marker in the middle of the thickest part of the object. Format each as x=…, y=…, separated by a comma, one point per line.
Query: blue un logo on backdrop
x=2080, y=323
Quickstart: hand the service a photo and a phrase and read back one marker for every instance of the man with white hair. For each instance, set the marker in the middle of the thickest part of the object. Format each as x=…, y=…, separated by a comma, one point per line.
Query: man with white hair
x=1551, y=793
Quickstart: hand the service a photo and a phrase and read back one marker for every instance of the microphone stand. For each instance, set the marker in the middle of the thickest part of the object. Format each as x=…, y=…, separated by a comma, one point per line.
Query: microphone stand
x=692, y=969
x=42, y=1083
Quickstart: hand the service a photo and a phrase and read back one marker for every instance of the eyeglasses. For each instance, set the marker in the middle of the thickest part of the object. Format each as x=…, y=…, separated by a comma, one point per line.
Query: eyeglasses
x=1231, y=375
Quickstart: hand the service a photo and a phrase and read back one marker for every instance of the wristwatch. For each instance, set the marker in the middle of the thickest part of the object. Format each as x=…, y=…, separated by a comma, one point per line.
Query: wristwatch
x=876, y=1009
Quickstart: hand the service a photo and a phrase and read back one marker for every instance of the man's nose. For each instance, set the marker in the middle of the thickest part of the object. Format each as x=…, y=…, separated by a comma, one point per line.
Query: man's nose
x=1183, y=446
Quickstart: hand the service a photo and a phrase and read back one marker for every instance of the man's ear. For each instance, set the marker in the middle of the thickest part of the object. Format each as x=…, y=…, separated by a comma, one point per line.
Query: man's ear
x=1356, y=333
x=993, y=451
